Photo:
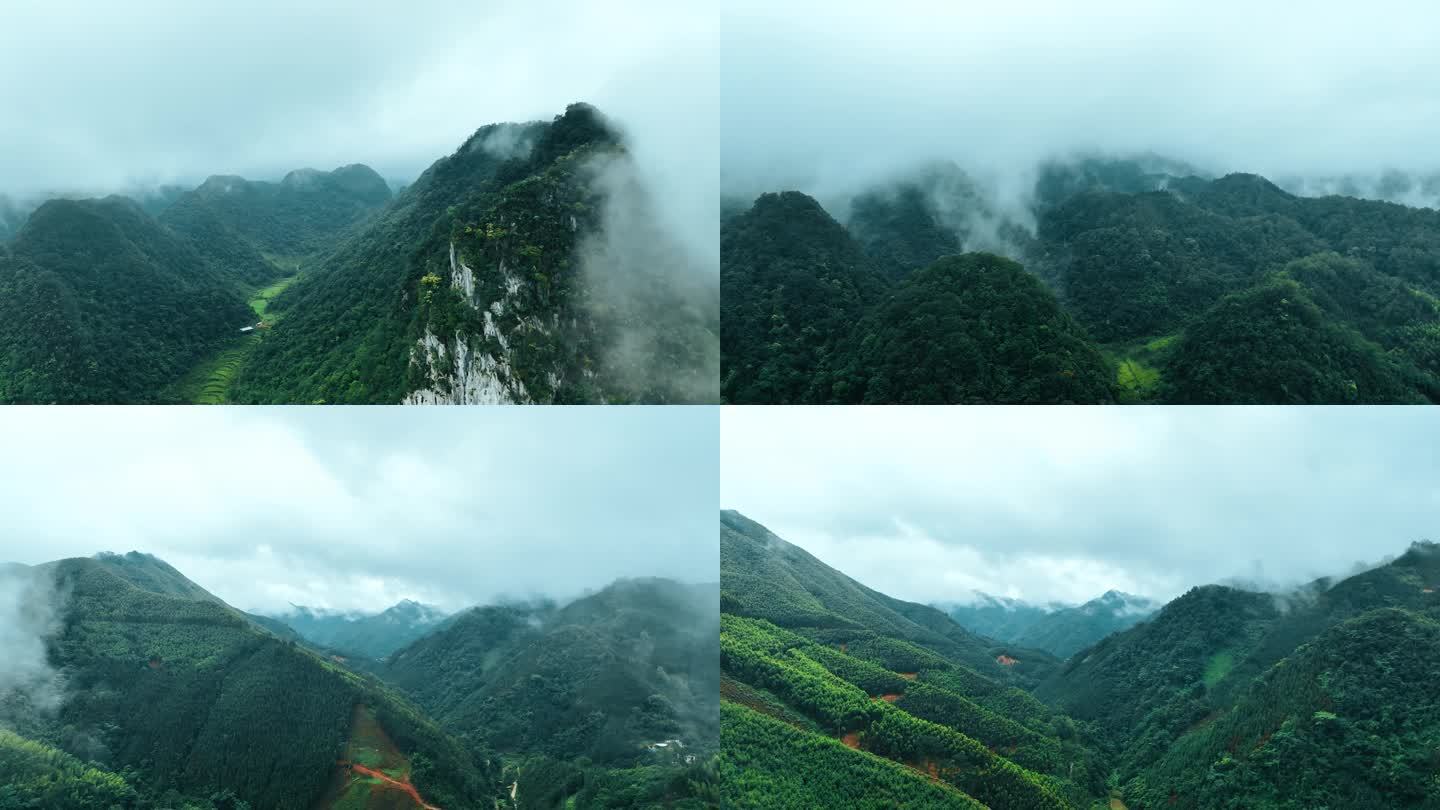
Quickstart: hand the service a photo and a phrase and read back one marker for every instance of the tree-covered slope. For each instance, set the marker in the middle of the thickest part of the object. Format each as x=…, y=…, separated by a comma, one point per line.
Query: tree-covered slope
x=304, y=213
x=526, y=267
x=793, y=284
x=887, y=693
x=969, y=329
x=765, y=577
x=100, y=303
x=185, y=696
x=596, y=692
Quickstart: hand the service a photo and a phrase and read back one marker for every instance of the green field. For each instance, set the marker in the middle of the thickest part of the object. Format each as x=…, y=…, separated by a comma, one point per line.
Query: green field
x=1218, y=667
x=209, y=382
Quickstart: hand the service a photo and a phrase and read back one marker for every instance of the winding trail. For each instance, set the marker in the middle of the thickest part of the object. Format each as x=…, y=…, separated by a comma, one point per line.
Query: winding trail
x=405, y=786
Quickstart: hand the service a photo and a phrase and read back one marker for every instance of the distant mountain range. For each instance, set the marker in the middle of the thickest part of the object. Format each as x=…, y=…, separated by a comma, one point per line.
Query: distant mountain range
x=373, y=635
x=1056, y=628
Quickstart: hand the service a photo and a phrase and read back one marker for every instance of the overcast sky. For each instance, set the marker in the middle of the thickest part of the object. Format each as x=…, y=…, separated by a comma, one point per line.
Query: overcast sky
x=97, y=96
x=817, y=95
x=1064, y=503
x=357, y=508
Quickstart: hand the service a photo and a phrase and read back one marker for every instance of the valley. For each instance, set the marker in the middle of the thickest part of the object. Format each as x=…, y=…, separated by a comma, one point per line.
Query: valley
x=836, y=695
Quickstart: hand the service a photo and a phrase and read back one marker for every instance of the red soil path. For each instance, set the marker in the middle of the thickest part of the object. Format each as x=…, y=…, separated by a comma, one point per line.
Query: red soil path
x=890, y=698
x=1006, y=661
x=405, y=786
x=852, y=739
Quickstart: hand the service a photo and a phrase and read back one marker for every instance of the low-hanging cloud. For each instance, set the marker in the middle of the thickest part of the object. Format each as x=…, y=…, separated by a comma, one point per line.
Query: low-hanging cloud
x=1063, y=504
x=170, y=91
x=827, y=98
x=360, y=509
x=30, y=607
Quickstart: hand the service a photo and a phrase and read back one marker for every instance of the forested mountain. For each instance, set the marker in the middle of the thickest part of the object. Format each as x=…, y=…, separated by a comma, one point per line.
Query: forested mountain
x=163, y=696
x=372, y=635
x=609, y=701
x=100, y=303
x=1159, y=286
x=1061, y=630
x=1225, y=698
x=526, y=267
x=1230, y=698
x=837, y=695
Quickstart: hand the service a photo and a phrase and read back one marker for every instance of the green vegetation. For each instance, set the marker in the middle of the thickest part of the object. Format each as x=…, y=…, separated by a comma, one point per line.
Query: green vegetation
x=184, y=697
x=854, y=669
x=1060, y=631
x=1199, y=291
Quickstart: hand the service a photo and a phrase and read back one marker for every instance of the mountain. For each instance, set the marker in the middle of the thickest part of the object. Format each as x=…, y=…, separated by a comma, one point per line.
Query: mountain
x=613, y=695
x=529, y=266
x=171, y=698
x=1061, y=630
x=373, y=635
x=101, y=303
x=832, y=692
x=1232, y=698
x=1173, y=286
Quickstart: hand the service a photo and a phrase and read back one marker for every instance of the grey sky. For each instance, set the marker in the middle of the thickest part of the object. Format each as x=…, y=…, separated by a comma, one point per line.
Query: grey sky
x=357, y=508
x=821, y=96
x=1065, y=503
x=97, y=96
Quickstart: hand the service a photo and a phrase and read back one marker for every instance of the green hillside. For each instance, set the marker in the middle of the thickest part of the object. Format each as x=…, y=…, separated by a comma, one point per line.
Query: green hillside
x=581, y=694
x=494, y=278
x=855, y=682
x=184, y=696
x=1158, y=286
x=100, y=303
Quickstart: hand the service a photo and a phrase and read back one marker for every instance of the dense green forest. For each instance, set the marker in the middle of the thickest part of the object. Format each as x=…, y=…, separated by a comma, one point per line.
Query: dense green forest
x=532, y=265
x=172, y=698
x=1061, y=630
x=1224, y=698
x=1146, y=283
x=371, y=635
x=501, y=275
x=614, y=695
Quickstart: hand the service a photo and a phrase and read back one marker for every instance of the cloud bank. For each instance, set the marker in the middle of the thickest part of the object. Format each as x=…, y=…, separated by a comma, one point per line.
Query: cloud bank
x=931, y=504
x=356, y=510
x=824, y=98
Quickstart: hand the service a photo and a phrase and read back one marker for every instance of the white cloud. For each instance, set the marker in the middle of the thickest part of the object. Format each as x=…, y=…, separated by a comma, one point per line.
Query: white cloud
x=1066, y=503
x=358, y=508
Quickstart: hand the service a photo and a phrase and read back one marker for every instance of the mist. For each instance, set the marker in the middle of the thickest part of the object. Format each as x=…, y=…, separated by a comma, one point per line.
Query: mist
x=361, y=509
x=30, y=607
x=99, y=98
x=831, y=100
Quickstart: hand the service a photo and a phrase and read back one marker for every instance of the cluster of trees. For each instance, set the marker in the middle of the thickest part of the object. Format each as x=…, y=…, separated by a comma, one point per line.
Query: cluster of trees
x=100, y=303
x=1157, y=286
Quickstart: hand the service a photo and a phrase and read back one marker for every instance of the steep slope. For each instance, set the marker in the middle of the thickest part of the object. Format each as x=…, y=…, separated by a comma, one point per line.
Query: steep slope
x=793, y=281
x=765, y=577
x=612, y=679
x=100, y=303
x=526, y=267
x=373, y=635
x=165, y=682
x=969, y=329
x=1324, y=727
x=1061, y=630
x=831, y=671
